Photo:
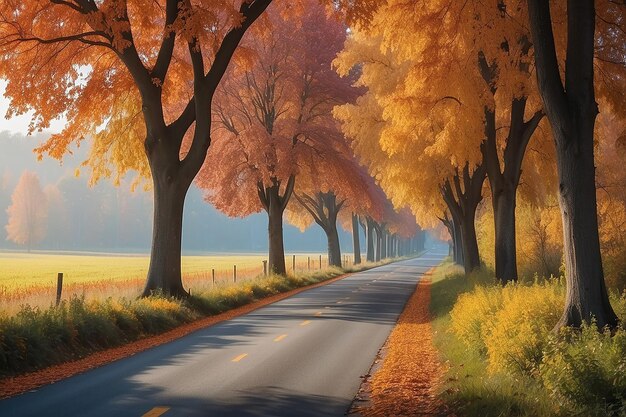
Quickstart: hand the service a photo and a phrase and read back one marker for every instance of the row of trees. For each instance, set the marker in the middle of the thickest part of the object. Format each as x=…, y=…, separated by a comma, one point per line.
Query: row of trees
x=183, y=87
x=456, y=94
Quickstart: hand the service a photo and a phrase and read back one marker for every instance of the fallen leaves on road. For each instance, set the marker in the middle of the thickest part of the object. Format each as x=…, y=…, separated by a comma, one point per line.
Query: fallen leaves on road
x=405, y=380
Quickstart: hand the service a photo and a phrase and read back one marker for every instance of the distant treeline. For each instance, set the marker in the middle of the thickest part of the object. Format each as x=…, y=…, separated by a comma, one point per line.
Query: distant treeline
x=110, y=218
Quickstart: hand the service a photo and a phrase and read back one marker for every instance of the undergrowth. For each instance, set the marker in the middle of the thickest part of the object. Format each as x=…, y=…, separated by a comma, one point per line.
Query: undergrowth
x=504, y=359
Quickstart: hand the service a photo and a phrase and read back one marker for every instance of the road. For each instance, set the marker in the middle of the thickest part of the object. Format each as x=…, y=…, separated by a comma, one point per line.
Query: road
x=302, y=356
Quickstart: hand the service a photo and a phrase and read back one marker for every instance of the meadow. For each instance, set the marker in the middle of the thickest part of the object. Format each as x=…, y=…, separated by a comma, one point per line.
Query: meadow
x=31, y=278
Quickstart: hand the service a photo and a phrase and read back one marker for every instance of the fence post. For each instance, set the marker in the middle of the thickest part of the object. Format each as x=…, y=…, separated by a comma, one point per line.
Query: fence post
x=59, y=286
x=234, y=273
x=294, y=263
x=308, y=261
x=320, y=261
x=264, y=268
x=213, y=274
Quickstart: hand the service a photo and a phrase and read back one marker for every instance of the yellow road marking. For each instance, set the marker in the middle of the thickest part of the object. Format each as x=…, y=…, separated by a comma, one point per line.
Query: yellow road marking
x=305, y=322
x=319, y=313
x=156, y=412
x=279, y=338
x=339, y=302
x=240, y=357
x=326, y=306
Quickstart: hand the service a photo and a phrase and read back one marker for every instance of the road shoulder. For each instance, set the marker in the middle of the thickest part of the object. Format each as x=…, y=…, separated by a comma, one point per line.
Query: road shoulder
x=404, y=377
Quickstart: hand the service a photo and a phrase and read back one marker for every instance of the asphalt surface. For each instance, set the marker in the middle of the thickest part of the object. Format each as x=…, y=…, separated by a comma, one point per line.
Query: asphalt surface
x=302, y=356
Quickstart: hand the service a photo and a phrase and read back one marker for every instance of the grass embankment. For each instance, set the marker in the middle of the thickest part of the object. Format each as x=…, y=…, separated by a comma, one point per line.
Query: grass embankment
x=35, y=338
x=31, y=278
x=504, y=360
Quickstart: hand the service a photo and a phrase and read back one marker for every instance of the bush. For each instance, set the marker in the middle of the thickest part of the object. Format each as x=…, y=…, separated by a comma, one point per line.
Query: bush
x=500, y=347
x=587, y=369
x=520, y=328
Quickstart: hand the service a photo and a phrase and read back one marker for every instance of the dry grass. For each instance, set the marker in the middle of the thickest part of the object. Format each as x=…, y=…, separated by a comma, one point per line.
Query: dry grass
x=31, y=278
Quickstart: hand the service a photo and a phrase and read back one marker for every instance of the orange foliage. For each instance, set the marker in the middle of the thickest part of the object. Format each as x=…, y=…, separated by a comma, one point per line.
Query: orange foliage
x=28, y=212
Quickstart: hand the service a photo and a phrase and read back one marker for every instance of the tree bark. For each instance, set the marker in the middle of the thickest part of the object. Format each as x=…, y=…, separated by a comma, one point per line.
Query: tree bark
x=471, y=257
x=356, y=242
x=369, y=229
x=572, y=110
x=275, y=234
x=170, y=185
x=504, y=178
x=383, y=245
x=275, y=204
x=463, y=201
x=334, y=249
x=324, y=209
x=379, y=241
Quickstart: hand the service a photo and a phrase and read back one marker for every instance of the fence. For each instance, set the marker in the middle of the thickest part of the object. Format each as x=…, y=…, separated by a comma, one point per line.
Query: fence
x=42, y=296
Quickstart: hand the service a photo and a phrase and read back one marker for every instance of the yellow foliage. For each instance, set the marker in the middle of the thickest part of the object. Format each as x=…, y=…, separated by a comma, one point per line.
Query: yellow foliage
x=517, y=332
x=472, y=312
x=539, y=238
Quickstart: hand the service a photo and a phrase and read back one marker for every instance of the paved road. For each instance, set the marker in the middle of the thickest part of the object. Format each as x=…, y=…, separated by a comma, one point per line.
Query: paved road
x=302, y=356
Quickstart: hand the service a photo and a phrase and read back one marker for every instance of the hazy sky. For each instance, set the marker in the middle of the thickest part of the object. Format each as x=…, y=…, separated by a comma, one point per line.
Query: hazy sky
x=18, y=124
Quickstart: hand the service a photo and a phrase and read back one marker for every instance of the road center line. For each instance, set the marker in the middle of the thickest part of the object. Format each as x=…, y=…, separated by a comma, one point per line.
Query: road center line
x=240, y=357
x=279, y=338
x=156, y=412
x=305, y=322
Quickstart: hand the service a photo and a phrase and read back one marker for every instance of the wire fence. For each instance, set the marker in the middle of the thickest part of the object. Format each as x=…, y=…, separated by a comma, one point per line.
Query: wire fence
x=13, y=298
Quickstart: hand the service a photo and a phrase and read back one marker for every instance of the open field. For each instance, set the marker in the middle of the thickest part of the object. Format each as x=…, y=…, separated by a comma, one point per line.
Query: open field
x=31, y=278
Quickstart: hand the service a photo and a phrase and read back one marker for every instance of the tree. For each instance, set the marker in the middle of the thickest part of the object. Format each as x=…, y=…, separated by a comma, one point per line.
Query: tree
x=409, y=139
x=338, y=182
x=28, y=212
x=274, y=129
x=571, y=109
x=137, y=54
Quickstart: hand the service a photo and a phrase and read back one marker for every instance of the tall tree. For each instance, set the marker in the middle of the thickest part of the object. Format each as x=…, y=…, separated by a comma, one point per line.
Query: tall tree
x=89, y=60
x=572, y=109
x=28, y=212
x=274, y=127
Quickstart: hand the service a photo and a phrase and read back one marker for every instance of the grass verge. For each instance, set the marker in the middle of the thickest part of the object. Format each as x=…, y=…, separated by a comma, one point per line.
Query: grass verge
x=36, y=338
x=503, y=359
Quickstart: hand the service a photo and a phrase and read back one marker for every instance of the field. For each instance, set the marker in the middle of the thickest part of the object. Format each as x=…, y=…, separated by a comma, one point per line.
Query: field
x=31, y=278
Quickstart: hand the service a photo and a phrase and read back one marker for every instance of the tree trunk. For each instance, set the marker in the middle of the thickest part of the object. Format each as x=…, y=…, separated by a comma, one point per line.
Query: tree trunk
x=370, y=239
x=334, y=250
x=462, y=201
x=505, y=244
x=379, y=241
x=275, y=232
x=572, y=110
x=383, y=244
x=471, y=257
x=356, y=242
x=586, y=295
x=164, y=272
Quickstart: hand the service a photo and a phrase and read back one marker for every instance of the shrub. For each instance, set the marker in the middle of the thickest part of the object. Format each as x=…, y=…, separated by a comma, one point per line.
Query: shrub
x=517, y=335
x=472, y=312
x=587, y=369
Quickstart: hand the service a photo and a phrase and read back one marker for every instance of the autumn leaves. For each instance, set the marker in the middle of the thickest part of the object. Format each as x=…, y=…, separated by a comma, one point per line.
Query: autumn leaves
x=452, y=100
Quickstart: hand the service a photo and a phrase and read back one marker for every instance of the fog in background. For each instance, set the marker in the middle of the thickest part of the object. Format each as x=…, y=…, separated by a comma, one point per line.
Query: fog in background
x=106, y=218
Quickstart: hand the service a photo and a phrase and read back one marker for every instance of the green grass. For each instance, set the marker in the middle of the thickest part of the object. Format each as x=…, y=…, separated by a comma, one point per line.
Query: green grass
x=34, y=337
